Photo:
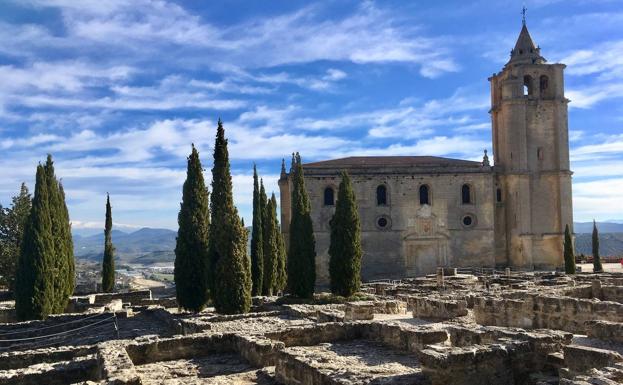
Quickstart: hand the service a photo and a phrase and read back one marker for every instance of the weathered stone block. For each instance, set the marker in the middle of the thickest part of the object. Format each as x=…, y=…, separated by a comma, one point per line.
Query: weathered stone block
x=605, y=330
x=582, y=358
x=438, y=308
x=363, y=310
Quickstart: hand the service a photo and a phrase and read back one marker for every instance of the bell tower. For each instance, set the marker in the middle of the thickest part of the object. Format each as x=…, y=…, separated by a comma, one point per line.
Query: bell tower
x=531, y=156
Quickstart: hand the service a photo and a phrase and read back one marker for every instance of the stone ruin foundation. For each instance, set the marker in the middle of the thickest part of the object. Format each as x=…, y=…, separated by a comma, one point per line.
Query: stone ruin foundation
x=470, y=327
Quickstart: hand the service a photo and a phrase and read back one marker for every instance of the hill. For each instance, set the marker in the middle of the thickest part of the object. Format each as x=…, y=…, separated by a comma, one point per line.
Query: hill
x=149, y=246
x=603, y=227
x=610, y=244
x=145, y=246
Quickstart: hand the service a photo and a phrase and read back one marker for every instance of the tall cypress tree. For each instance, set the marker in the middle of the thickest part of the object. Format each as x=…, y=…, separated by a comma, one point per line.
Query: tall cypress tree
x=191, y=248
x=230, y=266
x=274, y=252
x=12, y=222
x=257, y=239
x=270, y=249
x=46, y=272
x=34, y=292
x=68, y=250
x=345, y=248
x=568, y=252
x=108, y=265
x=597, y=268
x=63, y=256
x=301, y=253
x=281, y=277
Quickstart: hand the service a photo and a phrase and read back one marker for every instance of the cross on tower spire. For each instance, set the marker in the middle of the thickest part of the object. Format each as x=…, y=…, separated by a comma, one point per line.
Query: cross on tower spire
x=523, y=15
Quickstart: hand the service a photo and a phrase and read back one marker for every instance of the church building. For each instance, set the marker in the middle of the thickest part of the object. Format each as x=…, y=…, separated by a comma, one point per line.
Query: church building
x=421, y=212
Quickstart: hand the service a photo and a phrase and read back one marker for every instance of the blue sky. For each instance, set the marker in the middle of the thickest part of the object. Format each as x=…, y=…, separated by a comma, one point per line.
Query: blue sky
x=118, y=90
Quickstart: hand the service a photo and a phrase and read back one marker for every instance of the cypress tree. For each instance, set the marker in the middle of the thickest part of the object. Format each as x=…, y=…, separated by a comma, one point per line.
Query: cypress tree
x=34, y=291
x=12, y=222
x=270, y=249
x=263, y=206
x=301, y=253
x=68, y=250
x=597, y=268
x=282, y=274
x=230, y=265
x=108, y=265
x=345, y=248
x=257, y=242
x=275, y=259
x=191, y=248
x=63, y=270
x=568, y=252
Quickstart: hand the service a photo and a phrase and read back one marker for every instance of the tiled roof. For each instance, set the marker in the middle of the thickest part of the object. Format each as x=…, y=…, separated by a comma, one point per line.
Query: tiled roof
x=389, y=161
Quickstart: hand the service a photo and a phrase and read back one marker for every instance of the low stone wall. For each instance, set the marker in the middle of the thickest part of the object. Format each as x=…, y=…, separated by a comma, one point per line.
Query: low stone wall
x=316, y=334
x=434, y=308
x=115, y=365
x=133, y=297
x=597, y=290
x=580, y=359
x=539, y=311
x=542, y=341
x=15, y=360
x=204, y=323
x=390, y=307
x=329, y=316
x=603, y=376
x=481, y=364
x=361, y=310
x=164, y=302
x=59, y=373
x=605, y=330
x=54, y=323
x=401, y=337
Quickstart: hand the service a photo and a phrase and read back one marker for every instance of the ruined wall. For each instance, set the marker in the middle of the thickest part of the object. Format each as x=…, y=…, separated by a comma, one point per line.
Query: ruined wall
x=540, y=311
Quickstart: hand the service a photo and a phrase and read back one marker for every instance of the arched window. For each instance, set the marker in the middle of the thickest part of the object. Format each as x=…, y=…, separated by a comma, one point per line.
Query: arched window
x=527, y=85
x=466, y=194
x=381, y=195
x=424, y=195
x=543, y=84
x=329, y=198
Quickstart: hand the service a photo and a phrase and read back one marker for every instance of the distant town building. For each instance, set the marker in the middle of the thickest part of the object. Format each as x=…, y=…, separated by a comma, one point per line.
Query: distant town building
x=421, y=212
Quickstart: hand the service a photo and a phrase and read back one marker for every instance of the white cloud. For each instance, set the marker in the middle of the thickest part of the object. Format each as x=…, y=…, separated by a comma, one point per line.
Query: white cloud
x=597, y=199
x=611, y=146
x=369, y=35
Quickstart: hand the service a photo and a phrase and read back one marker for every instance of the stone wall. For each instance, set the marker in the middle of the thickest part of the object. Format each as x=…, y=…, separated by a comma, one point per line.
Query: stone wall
x=437, y=308
x=417, y=238
x=133, y=297
x=605, y=330
x=541, y=311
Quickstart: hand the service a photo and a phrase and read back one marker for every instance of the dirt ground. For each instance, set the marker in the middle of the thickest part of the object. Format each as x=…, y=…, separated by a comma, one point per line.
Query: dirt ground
x=609, y=267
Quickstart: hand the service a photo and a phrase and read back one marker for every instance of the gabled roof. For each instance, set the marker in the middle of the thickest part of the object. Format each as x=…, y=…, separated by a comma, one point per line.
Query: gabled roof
x=392, y=161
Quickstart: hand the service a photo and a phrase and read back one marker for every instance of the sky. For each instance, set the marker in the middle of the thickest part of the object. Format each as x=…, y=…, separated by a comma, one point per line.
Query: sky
x=118, y=90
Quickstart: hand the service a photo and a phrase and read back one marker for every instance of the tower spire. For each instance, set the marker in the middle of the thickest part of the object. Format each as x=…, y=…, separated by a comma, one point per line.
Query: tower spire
x=525, y=51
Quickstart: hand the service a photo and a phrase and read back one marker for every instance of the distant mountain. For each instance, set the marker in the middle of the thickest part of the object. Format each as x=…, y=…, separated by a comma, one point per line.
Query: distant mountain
x=145, y=246
x=610, y=244
x=603, y=227
x=148, y=246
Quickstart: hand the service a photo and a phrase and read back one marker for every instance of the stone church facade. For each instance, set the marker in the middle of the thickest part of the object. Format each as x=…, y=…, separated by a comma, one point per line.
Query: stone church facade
x=421, y=212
